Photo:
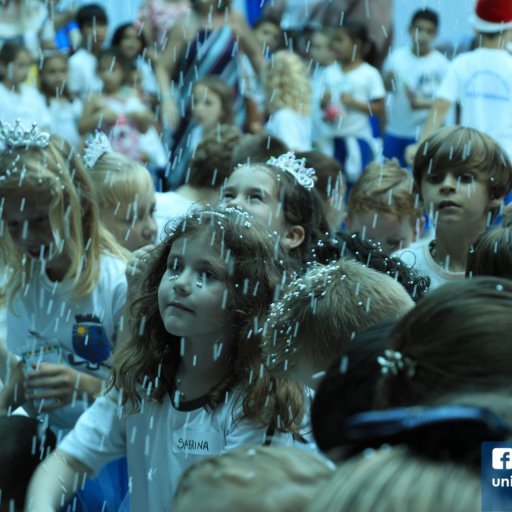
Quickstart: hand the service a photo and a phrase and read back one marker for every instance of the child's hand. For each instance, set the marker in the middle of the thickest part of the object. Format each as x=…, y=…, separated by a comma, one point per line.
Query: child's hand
x=107, y=115
x=410, y=153
x=326, y=99
x=56, y=383
x=507, y=216
x=348, y=100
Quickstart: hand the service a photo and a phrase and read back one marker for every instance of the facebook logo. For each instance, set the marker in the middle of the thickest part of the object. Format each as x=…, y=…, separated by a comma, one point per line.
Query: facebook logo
x=502, y=458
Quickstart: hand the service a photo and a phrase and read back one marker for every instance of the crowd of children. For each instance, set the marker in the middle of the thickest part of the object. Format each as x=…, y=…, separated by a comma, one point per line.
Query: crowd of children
x=231, y=263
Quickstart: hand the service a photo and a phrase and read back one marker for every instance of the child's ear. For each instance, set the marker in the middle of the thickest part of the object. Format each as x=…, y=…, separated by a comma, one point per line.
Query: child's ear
x=293, y=237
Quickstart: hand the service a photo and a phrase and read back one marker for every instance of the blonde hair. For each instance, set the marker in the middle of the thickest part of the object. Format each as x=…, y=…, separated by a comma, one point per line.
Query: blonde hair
x=253, y=479
x=392, y=479
x=323, y=309
x=73, y=214
x=287, y=83
x=385, y=188
x=118, y=180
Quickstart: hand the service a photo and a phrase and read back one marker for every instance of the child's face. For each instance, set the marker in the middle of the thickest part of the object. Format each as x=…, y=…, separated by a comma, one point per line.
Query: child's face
x=94, y=35
x=422, y=33
x=254, y=190
x=321, y=50
x=130, y=44
x=207, y=107
x=54, y=73
x=16, y=72
x=457, y=197
x=133, y=224
x=342, y=45
x=26, y=215
x=392, y=233
x=193, y=290
x=111, y=74
x=268, y=35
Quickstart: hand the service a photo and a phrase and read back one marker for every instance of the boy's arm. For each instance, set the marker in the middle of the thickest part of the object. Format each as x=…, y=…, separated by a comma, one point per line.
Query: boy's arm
x=373, y=107
x=435, y=119
x=54, y=481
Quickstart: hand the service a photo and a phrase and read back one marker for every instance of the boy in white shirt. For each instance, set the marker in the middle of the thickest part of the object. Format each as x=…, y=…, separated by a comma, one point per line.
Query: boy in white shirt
x=480, y=80
x=463, y=176
x=412, y=75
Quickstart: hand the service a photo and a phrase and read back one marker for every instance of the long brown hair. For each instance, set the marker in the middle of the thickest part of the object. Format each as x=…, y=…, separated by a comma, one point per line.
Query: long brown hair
x=149, y=361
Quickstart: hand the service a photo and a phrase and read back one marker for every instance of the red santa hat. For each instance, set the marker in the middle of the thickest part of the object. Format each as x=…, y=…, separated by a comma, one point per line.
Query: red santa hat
x=492, y=15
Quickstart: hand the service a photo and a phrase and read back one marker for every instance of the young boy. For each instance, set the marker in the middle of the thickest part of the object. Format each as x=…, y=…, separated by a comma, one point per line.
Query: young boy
x=463, y=176
x=384, y=207
x=93, y=24
x=412, y=75
x=321, y=312
x=479, y=80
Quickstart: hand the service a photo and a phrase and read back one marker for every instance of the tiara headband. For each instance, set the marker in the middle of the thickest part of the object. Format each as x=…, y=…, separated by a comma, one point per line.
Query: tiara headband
x=296, y=167
x=95, y=146
x=19, y=137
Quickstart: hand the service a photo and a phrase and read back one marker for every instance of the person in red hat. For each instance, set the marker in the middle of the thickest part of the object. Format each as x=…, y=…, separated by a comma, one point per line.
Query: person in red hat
x=480, y=80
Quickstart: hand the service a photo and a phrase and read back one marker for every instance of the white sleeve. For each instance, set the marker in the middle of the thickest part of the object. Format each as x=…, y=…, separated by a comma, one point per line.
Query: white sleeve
x=449, y=88
x=376, y=89
x=99, y=436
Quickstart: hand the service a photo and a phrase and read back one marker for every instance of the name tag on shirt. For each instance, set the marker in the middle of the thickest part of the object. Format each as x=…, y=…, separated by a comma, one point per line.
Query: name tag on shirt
x=197, y=442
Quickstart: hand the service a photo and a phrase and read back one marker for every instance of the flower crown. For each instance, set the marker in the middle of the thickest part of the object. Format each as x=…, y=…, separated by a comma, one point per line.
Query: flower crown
x=19, y=137
x=296, y=167
x=95, y=146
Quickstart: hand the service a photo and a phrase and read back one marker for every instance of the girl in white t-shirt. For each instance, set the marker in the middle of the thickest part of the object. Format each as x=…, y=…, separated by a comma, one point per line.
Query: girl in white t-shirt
x=64, y=288
x=65, y=108
x=19, y=101
x=288, y=92
x=358, y=97
x=190, y=380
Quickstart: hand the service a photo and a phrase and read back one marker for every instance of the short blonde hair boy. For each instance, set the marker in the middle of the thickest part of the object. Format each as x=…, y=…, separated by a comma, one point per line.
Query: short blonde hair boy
x=253, y=479
x=388, y=188
x=321, y=312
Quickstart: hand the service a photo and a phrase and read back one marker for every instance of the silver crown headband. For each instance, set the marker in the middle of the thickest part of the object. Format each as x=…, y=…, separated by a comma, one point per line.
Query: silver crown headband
x=394, y=362
x=18, y=136
x=296, y=167
x=95, y=146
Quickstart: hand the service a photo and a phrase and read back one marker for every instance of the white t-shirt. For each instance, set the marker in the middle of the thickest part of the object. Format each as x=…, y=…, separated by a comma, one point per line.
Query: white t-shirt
x=481, y=80
x=160, y=442
x=28, y=105
x=47, y=324
x=65, y=116
x=365, y=84
x=82, y=78
x=418, y=257
x=292, y=128
x=420, y=75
